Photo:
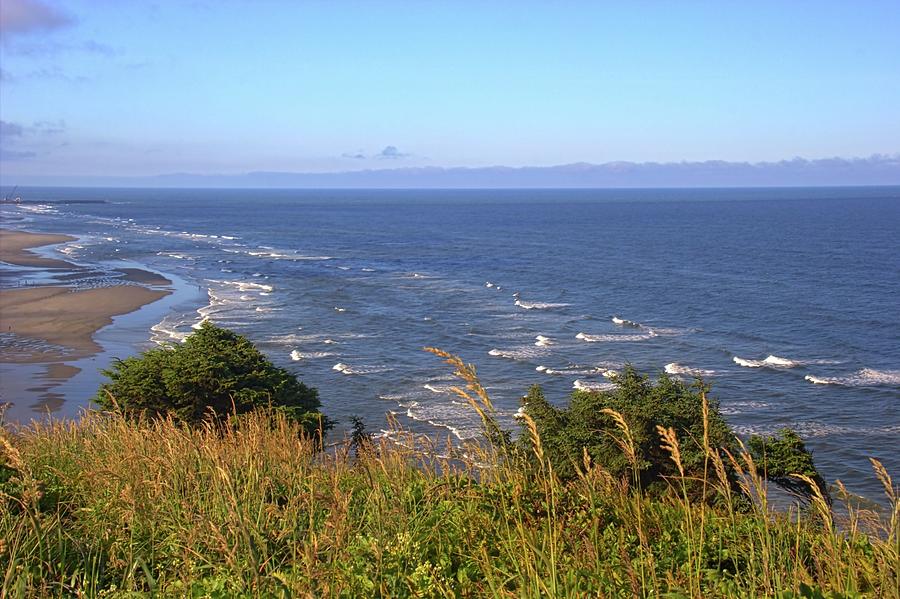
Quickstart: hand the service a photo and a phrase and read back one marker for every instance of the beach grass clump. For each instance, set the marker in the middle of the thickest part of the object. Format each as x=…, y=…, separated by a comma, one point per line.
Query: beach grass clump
x=116, y=506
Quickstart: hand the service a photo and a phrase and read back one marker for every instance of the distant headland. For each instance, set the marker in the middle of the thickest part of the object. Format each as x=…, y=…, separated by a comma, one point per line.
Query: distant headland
x=875, y=170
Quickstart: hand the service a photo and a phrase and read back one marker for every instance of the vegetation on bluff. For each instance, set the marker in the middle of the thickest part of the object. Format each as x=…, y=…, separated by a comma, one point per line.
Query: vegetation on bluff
x=121, y=504
x=214, y=373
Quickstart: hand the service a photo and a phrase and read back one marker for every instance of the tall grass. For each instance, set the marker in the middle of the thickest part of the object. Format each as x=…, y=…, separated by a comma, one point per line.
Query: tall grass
x=107, y=507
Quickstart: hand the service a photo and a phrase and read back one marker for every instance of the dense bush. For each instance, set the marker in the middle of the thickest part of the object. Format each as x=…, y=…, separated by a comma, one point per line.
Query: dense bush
x=567, y=432
x=215, y=372
x=782, y=457
x=586, y=425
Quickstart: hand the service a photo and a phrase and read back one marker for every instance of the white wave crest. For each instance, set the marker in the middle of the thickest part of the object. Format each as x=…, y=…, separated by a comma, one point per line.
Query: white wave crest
x=297, y=355
x=245, y=286
x=615, y=337
x=623, y=322
x=519, y=354
x=593, y=385
x=865, y=377
x=539, y=305
x=768, y=361
x=345, y=369
x=676, y=368
x=283, y=255
x=578, y=371
x=542, y=341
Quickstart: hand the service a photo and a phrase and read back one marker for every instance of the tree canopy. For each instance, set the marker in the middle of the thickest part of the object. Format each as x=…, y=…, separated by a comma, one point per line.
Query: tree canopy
x=215, y=372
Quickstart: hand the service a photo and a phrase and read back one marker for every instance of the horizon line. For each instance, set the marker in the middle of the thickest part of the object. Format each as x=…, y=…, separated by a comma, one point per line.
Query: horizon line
x=872, y=170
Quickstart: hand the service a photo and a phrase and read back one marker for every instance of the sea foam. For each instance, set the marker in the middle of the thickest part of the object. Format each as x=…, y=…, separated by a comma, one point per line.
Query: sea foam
x=768, y=361
x=676, y=368
x=865, y=377
x=614, y=337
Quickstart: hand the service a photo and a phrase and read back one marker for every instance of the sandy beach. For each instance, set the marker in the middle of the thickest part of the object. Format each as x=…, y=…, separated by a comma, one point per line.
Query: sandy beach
x=58, y=322
x=66, y=319
x=15, y=249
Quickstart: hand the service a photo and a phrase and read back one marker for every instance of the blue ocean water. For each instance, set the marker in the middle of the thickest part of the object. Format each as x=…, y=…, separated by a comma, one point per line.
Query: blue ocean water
x=786, y=300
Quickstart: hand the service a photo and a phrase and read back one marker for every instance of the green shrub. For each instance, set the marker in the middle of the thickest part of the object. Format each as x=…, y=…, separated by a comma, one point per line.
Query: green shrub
x=215, y=372
x=784, y=455
x=566, y=433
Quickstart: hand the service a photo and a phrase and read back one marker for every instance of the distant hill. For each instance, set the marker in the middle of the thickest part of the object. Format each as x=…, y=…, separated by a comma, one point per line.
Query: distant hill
x=874, y=170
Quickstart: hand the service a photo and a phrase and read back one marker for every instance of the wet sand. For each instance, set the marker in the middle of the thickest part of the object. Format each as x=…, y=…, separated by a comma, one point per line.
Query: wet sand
x=144, y=277
x=15, y=249
x=68, y=318
x=52, y=323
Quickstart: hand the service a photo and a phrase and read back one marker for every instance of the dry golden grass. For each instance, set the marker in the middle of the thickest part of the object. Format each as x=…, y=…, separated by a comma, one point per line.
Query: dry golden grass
x=110, y=507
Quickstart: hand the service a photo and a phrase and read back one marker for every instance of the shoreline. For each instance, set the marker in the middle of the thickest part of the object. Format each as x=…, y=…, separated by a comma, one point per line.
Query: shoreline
x=49, y=333
x=16, y=249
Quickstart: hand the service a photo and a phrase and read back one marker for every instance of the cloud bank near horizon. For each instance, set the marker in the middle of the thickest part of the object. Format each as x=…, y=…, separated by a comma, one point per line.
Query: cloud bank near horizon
x=878, y=169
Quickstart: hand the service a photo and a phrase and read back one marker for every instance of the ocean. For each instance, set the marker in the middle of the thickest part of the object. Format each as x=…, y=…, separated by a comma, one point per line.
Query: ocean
x=786, y=300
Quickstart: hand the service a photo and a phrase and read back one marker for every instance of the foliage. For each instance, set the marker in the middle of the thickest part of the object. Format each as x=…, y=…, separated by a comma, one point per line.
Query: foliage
x=215, y=372
x=782, y=457
x=360, y=438
x=587, y=425
x=155, y=507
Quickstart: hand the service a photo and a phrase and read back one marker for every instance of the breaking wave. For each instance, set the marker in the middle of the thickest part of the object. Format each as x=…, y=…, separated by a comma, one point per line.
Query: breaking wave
x=345, y=369
x=579, y=371
x=865, y=377
x=519, y=354
x=622, y=322
x=768, y=361
x=297, y=355
x=542, y=341
x=539, y=305
x=616, y=337
x=593, y=385
x=676, y=368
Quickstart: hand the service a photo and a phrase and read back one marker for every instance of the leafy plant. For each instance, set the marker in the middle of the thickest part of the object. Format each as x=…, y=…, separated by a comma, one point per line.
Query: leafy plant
x=215, y=372
x=782, y=457
x=588, y=426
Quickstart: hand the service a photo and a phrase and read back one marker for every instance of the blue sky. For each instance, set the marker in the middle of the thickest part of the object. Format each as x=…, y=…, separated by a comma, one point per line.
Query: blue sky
x=104, y=87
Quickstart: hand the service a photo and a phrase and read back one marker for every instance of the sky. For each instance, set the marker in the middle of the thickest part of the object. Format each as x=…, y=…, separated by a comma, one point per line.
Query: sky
x=111, y=88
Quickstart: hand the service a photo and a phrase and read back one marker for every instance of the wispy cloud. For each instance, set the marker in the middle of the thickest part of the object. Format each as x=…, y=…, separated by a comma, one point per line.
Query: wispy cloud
x=20, y=142
x=9, y=130
x=392, y=153
x=20, y=17
x=11, y=134
x=388, y=153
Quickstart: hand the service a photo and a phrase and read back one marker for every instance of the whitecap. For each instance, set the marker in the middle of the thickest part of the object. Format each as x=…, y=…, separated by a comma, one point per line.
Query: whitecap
x=297, y=355
x=578, y=371
x=768, y=361
x=345, y=369
x=865, y=377
x=615, y=337
x=676, y=368
x=623, y=322
x=592, y=385
x=337, y=309
x=520, y=353
x=539, y=305
x=542, y=341
x=245, y=286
